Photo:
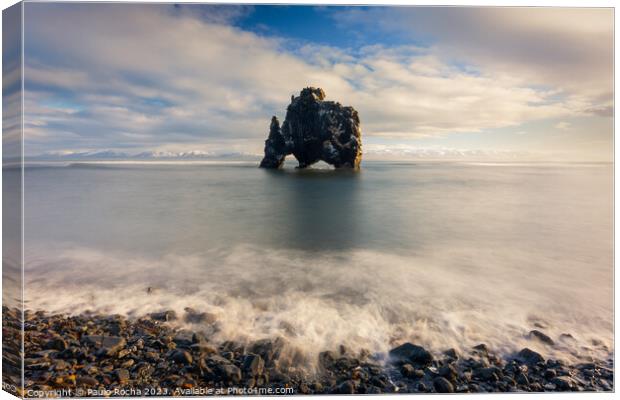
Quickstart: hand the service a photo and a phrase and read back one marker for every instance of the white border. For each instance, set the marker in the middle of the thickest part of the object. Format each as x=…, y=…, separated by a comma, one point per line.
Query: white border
x=484, y=3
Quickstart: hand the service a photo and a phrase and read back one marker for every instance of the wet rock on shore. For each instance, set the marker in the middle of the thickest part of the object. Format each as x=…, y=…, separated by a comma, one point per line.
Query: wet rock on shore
x=108, y=352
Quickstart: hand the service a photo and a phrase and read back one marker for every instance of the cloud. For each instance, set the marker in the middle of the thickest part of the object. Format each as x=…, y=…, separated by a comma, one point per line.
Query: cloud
x=156, y=77
x=562, y=125
x=570, y=49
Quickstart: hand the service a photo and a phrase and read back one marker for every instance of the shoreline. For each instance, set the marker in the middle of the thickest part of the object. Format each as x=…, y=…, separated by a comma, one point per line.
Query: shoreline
x=100, y=355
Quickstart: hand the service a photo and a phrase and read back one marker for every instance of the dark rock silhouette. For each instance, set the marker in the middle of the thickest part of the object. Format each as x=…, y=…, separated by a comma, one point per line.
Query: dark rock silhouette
x=315, y=130
x=275, y=146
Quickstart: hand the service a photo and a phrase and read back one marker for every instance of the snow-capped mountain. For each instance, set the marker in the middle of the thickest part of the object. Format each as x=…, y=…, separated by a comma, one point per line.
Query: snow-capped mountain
x=401, y=152
x=376, y=152
x=145, y=155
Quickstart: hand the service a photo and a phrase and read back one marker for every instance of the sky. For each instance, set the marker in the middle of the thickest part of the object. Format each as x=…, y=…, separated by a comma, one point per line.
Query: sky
x=514, y=82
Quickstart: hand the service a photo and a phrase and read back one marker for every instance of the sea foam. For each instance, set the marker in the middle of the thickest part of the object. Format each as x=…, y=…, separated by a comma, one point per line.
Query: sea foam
x=447, y=298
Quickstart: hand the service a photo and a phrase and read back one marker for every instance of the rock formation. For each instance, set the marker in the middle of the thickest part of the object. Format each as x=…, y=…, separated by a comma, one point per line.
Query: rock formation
x=314, y=130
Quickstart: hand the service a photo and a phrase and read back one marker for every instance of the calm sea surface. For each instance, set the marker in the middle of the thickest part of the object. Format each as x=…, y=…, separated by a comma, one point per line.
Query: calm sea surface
x=446, y=254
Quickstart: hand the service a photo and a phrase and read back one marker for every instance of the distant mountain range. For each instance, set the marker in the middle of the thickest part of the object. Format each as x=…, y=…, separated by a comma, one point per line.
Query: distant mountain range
x=441, y=153
x=146, y=155
x=376, y=153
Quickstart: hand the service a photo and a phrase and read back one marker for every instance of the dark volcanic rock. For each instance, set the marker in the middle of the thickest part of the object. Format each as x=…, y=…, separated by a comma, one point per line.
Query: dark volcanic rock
x=408, y=352
x=346, y=387
x=253, y=364
x=230, y=373
x=408, y=370
x=530, y=356
x=451, y=353
x=542, y=337
x=164, y=316
x=150, y=353
x=276, y=148
x=488, y=374
x=86, y=381
x=448, y=371
x=194, y=317
x=442, y=385
x=182, y=357
x=122, y=375
x=563, y=383
x=107, y=345
x=315, y=130
x=56, y=343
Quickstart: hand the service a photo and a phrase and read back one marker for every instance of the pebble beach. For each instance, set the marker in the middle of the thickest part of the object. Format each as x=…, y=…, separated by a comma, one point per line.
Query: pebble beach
x=90, y=355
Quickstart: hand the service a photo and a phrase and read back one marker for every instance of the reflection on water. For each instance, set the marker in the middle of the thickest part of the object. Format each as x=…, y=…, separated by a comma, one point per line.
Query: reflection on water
x=320, y=208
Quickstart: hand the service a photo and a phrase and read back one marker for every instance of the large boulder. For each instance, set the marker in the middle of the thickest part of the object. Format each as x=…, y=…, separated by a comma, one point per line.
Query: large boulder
x=315, y=130
x=410, y=353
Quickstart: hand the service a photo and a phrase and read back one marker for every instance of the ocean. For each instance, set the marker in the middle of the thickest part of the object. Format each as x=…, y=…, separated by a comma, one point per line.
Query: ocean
x=442, y=254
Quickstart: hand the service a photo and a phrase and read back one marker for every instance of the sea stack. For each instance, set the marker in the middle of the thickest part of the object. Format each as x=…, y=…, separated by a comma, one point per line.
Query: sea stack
x=315, y=130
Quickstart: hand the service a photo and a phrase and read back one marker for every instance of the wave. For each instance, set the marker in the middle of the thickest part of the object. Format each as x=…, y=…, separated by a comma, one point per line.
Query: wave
x=360, y=299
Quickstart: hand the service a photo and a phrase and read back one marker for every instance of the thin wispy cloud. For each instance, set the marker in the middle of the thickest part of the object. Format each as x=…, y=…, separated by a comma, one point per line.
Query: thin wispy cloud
x=567, y=49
